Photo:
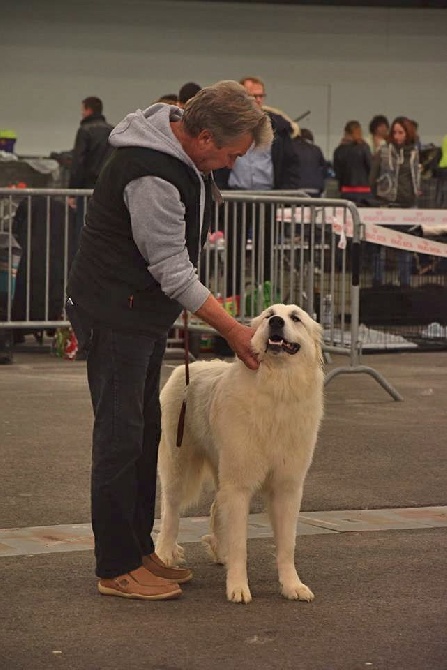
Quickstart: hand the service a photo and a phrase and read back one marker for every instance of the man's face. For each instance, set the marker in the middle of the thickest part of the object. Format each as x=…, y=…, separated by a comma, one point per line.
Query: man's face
x=257, y=91
x=85, y=111
x=207, y=156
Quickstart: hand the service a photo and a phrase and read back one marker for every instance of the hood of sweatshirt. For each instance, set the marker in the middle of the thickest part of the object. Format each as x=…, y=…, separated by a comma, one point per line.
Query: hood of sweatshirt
x=151, y=128
x=155, y=207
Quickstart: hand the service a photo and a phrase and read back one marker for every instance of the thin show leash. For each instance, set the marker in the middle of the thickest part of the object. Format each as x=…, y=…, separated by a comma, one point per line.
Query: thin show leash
x=181, y=419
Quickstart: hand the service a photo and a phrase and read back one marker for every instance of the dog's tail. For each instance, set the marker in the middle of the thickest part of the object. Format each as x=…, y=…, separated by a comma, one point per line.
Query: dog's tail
x=197, y=475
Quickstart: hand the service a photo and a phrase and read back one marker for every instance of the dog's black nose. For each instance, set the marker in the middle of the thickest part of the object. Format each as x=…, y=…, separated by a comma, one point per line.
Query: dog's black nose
x=276, y=322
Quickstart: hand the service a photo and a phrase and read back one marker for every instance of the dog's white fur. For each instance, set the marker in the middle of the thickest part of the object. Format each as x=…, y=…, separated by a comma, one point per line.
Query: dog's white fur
x=250, y=431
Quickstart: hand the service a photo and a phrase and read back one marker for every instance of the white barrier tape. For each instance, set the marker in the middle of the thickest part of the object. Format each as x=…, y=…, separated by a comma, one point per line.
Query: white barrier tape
x=391, y=238
x=340, y=229
x=341, y=221
x=428, y=219
x=403, y=217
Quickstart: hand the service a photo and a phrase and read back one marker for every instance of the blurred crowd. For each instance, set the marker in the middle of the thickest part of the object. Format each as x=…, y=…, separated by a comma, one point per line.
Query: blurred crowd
x=388, y=166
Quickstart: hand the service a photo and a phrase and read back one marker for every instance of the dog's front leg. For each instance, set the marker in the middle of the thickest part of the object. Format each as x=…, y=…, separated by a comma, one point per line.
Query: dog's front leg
x=233, y=506
x=284, y=505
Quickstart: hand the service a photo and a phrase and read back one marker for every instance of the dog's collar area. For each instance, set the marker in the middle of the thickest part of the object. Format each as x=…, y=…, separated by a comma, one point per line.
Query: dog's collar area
x=276, y=343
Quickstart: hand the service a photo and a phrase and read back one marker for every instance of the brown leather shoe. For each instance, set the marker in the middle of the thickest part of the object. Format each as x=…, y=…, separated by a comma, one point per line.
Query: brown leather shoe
x=174, y=575
x=139, y=583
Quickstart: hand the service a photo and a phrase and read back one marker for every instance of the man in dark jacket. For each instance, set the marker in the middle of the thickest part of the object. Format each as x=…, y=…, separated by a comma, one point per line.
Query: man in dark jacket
x=312, y=164
x=133, y=274
x=90, y=152
x=91, y=147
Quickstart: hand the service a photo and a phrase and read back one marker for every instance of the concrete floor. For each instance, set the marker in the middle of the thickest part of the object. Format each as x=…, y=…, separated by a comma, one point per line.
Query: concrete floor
x=371, y=544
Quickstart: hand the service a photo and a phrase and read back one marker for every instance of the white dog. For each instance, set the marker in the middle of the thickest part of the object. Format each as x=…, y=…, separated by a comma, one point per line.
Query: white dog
x=250, y=431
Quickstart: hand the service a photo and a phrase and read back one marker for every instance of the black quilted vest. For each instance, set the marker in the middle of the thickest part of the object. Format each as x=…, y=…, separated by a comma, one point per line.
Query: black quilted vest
x=109, y=277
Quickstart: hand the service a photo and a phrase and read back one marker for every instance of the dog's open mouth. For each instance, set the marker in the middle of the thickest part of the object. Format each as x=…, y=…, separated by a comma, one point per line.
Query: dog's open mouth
x=277, y=344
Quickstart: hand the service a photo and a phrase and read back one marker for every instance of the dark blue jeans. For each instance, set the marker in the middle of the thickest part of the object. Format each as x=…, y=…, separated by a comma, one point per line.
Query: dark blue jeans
x=124, y=376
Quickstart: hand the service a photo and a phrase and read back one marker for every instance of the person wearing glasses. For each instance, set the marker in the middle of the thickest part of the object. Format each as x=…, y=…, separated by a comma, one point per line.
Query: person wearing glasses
x=261, y=169
x=275, y=167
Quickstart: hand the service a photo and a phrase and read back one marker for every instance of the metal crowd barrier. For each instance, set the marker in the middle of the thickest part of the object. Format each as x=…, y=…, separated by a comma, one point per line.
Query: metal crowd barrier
x=38, y=238
x=262, y=248
x=269, y=247
x=403, y=297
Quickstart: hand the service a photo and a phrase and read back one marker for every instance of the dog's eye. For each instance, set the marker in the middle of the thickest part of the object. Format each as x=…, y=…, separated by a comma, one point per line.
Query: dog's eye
x=295, y=318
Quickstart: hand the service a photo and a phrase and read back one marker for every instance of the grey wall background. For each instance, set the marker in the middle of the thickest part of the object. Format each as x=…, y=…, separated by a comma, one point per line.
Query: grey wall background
x=340, y=63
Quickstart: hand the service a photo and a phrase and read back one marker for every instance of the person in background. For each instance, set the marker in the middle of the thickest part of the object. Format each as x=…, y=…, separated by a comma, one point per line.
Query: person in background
x=91, y=150
x=311, y=162
x=168, y=99
x=395, y=171
x=8, y=139
x=417, y=137
x=379, y=128
x=395, y=182
x=429, y=157
x=273, y=167
x=352, y=162
x=187, y=91
x=133, y=274
x=440, y=173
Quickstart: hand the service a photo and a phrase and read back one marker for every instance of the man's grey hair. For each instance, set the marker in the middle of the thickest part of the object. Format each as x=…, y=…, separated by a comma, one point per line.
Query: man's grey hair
x=227, y=111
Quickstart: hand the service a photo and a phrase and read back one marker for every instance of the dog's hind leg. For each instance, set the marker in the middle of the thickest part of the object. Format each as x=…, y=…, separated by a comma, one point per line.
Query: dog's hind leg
x=166, y=546
x=284, y=499
x=233, y=503
x=181, y=477
x=169, y=471
x=214, y=549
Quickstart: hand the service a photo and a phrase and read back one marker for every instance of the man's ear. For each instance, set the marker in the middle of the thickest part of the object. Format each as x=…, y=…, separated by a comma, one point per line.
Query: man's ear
x=204, y=138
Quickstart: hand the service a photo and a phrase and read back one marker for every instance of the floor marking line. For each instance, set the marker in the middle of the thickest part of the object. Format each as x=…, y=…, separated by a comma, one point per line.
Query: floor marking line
x=79, y=537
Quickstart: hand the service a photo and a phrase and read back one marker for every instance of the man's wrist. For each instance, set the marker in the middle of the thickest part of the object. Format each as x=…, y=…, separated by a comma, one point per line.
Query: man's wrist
x=214, y=315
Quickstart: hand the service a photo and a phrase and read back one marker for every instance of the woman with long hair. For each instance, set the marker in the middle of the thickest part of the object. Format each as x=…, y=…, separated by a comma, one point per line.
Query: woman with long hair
x=395, y=171
x=395, y=178
x=352, y=162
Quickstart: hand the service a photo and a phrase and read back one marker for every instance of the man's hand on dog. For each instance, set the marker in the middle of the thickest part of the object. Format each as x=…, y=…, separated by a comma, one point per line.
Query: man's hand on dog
x=237, y=335
x=239, y=339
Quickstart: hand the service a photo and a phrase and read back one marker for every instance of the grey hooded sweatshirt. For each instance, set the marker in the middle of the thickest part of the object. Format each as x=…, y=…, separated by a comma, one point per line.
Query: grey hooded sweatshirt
x=157, y=214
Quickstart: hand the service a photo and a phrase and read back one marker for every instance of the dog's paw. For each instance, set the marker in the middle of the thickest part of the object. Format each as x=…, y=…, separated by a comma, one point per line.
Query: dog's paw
x=297, y=591
x=238, y=593
x=171, y=556
x=211, y=546
x=178, y=555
